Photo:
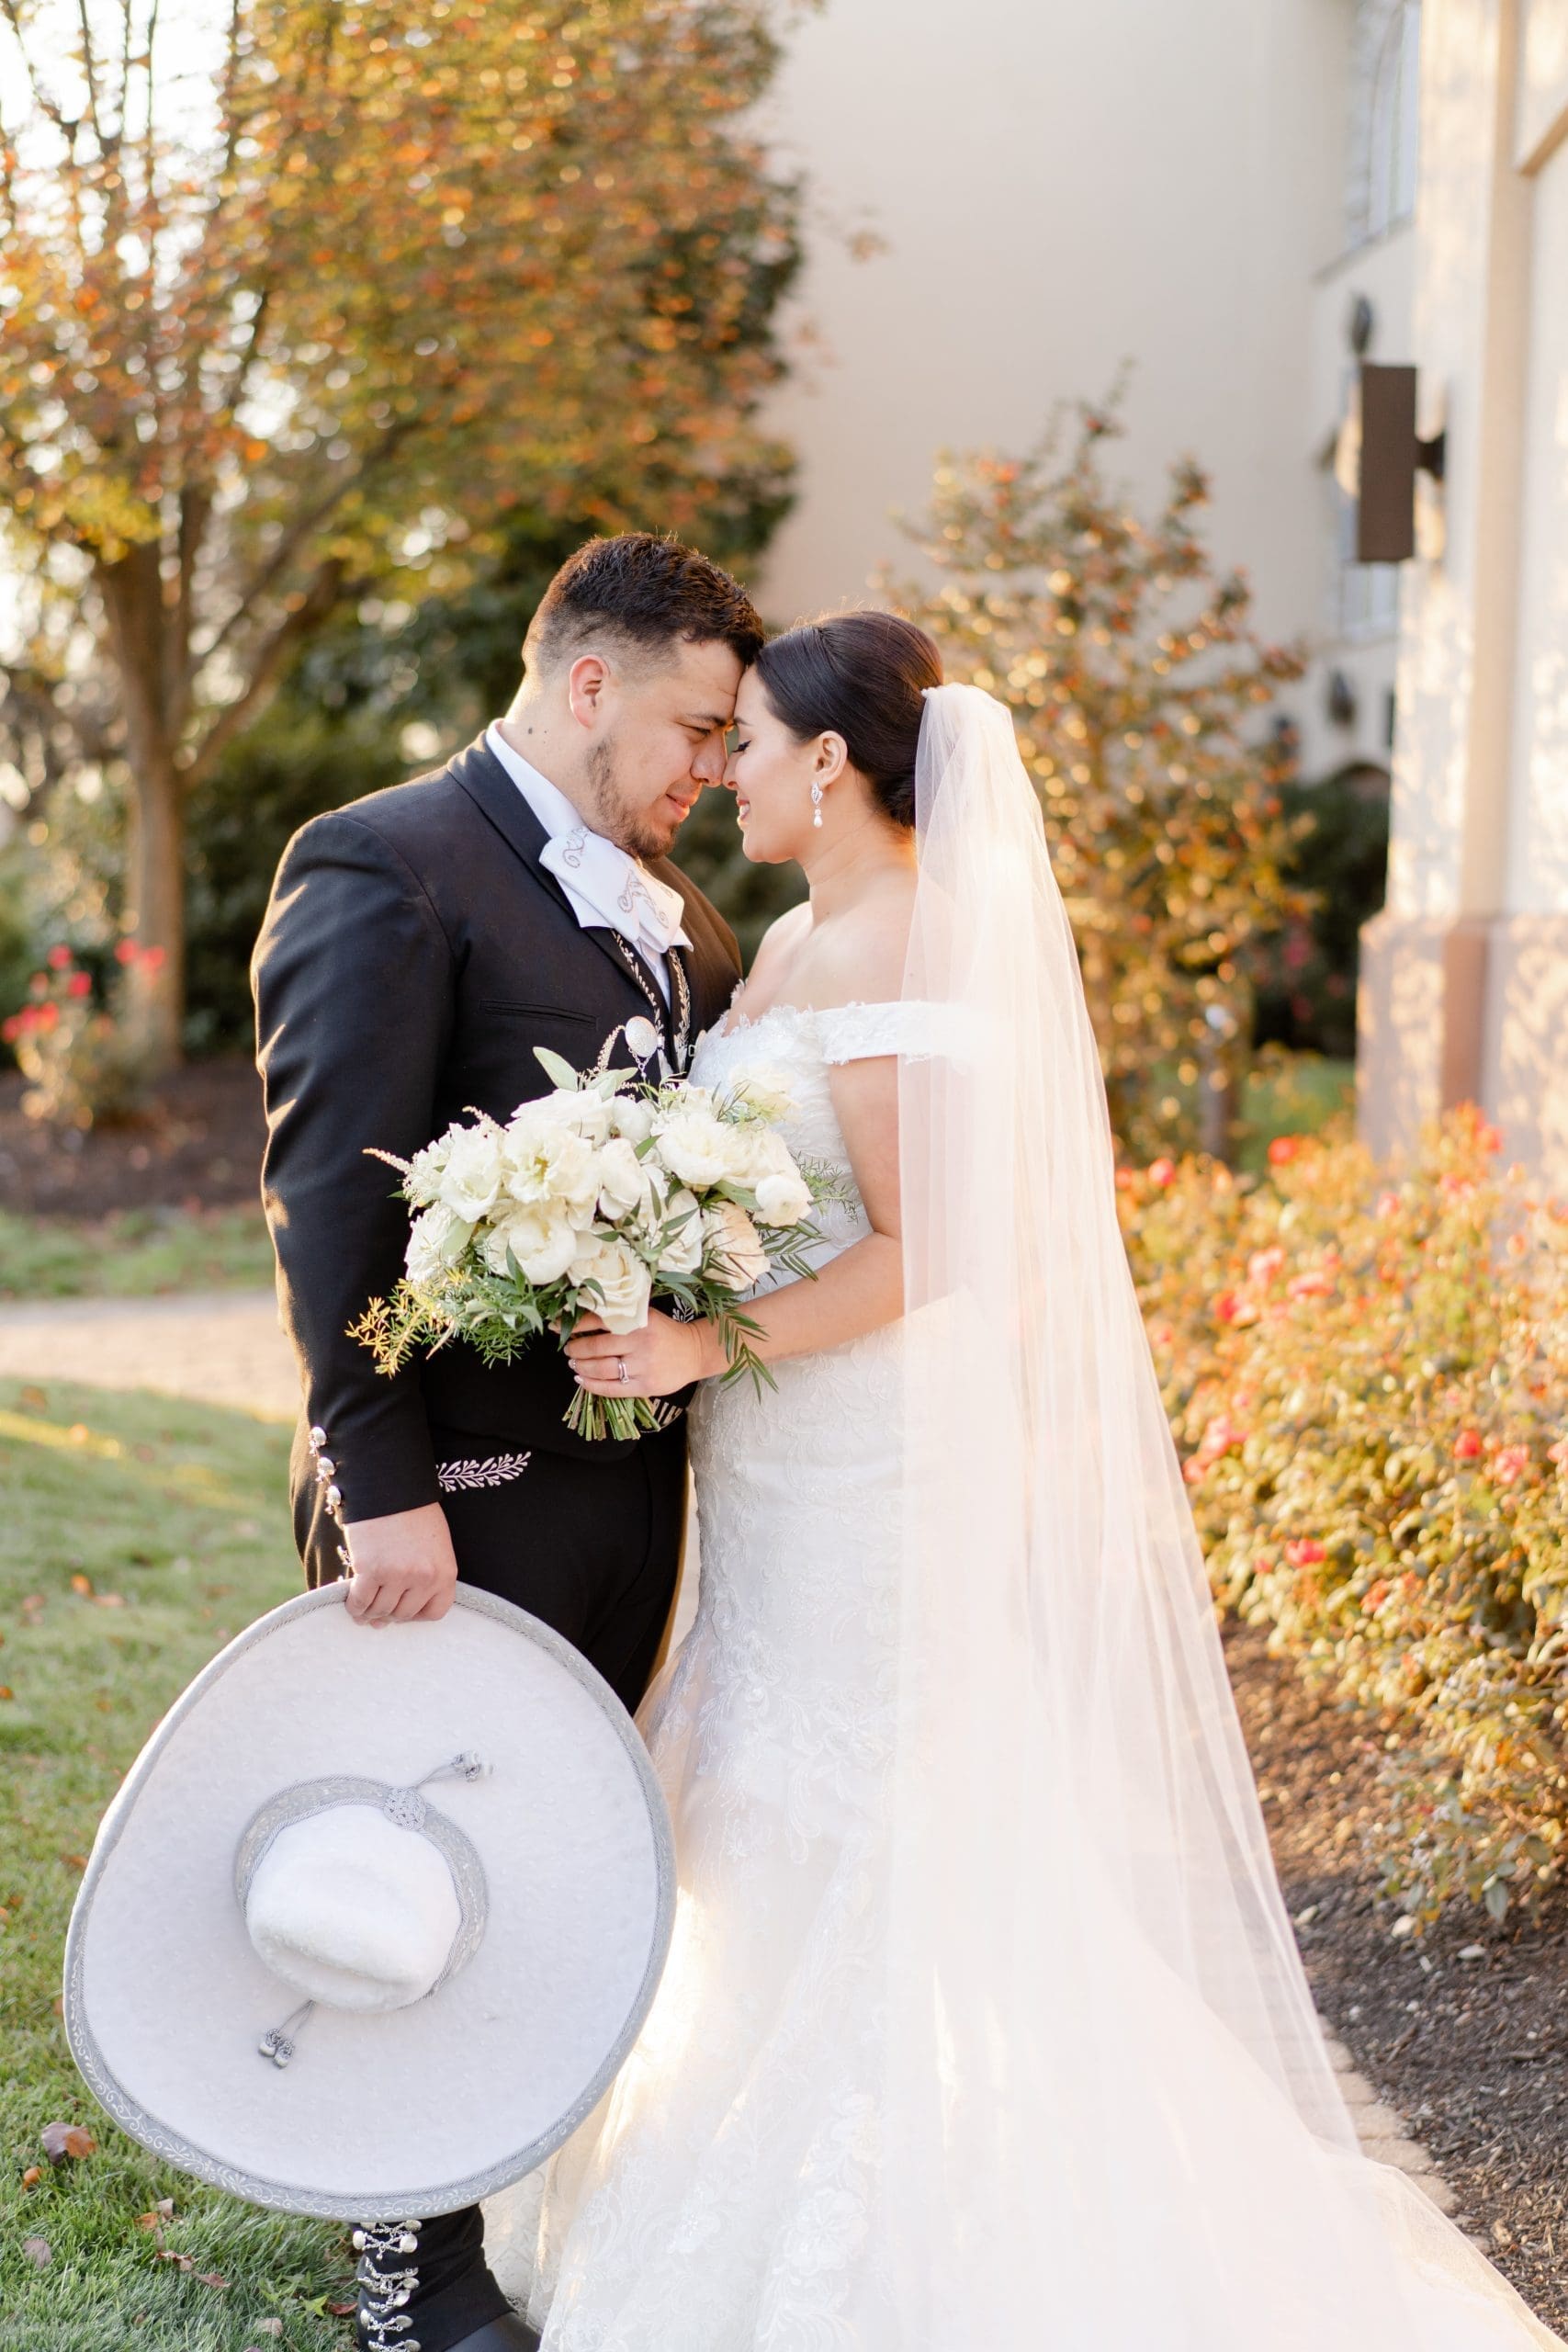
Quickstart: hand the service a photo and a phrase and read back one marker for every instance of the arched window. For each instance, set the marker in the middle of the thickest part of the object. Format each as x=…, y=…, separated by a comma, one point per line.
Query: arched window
x=1395, y=124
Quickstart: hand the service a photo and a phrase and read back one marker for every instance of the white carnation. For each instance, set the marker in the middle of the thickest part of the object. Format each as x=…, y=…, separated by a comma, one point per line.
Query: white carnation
x=437, y=1238
x=425, y=1170
x=783, y=1200
x=470, y=1181
x=735, y=1256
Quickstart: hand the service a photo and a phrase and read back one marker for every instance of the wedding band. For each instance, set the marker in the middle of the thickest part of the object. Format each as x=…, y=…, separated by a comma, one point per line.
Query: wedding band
x=621, y=1370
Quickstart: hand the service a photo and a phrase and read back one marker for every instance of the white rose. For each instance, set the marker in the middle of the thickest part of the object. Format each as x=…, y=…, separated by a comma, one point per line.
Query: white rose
x=541, y=1241
x=783, y=1200
x=470, y=1181
x=766, y=1092
x=437, y=1239
x=624, y=1286
x=582, y=1115
x=682, y=1252
x=547, y=1163
x=736, y=1256
x=631, y=1116
x=700, y=1150
x=624, y=1182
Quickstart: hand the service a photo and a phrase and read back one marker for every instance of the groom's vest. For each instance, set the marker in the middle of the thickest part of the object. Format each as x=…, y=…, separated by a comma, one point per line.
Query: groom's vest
x=414, y=953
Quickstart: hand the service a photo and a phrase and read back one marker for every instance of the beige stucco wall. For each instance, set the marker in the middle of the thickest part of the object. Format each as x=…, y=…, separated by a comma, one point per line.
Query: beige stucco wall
x=1465, y=974
x=1060, y=187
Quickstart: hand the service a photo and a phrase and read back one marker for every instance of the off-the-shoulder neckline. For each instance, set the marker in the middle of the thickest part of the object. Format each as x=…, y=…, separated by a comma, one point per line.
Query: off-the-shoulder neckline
x=735, y=1024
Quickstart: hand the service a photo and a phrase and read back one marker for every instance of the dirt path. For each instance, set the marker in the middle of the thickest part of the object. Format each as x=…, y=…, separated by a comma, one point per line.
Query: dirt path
x=222, y=1348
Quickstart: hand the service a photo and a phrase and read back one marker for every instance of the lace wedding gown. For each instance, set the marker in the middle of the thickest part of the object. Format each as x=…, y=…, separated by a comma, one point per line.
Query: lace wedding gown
x=719, y=2201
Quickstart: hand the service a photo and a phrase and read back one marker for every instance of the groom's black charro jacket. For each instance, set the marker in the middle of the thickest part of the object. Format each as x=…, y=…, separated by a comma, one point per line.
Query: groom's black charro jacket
x=414, y=954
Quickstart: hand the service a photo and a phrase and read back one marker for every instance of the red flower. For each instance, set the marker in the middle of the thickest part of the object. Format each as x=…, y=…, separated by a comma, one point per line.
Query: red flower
x=1264, y=1264
x=46, y=1017
x=1510, y=1463
x=1162, y=1173
x=1306, y=1553
x=127, y=952
x=1376, y=1594
x=59, y=959
x=1388, y=1202
x=1489, y=1138
x=79, y=984
x=1309, y=1286
x=12, y=1029
x=1467, y=1446
x=151, y=959
x=1225, y=1307
x=1284, y=1148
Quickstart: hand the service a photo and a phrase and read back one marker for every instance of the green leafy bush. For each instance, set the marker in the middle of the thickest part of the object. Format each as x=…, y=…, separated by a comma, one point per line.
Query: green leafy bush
x=1368, y=1380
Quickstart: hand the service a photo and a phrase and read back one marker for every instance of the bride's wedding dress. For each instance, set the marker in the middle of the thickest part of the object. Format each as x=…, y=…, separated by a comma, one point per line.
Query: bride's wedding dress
x=983, y=2028
x=727, y=2195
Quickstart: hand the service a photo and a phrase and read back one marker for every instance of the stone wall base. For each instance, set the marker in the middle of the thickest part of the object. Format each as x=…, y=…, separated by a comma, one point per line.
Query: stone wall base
x=1466, y=1009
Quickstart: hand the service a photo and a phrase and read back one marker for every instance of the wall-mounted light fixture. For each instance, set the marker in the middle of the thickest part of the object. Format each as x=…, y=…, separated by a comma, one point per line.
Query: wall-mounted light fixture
x=1377, y=458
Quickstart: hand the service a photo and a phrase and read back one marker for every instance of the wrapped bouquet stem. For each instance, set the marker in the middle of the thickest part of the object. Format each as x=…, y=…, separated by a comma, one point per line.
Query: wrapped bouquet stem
x=601, y=1197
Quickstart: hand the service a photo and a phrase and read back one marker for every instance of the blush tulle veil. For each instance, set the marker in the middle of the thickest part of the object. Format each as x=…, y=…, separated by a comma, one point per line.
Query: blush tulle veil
x=1110, y=2120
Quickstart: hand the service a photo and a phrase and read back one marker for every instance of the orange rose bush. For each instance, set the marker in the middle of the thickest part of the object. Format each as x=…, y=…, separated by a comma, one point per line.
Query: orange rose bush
x=1368, y=1380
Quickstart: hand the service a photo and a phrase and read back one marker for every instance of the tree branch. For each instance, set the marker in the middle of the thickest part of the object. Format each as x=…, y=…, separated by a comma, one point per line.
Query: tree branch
x=314, y=606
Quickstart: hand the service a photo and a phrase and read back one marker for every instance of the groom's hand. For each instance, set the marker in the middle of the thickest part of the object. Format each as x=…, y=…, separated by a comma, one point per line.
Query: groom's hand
x=404, y=1566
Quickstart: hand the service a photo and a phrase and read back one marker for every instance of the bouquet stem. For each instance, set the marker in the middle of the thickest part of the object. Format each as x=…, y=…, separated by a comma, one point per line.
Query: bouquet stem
x=610, y=1416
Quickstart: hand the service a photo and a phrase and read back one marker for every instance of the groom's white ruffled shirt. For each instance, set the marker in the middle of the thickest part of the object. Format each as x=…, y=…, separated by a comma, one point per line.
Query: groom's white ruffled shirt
x=605, y=887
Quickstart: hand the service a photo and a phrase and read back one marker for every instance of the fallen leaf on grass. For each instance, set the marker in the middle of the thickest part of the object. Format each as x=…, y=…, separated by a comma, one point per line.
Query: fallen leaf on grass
x=7, y=1692
x=63, y=2140
x=212, y=2279
x=32, y=2176
x=38, y=2252
x=81, y=1584
x=180, y=2261
x=162, y=2212
x=342, y=2311
x=267, y=2326
x=77, y=1861
x=108, y=1600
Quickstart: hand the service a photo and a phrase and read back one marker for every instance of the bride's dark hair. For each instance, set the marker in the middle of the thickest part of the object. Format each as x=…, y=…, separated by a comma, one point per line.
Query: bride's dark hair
x=860, y=675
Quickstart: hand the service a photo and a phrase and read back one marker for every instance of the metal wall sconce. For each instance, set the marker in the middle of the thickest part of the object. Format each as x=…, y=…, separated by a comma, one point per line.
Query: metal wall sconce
x=1379, y=455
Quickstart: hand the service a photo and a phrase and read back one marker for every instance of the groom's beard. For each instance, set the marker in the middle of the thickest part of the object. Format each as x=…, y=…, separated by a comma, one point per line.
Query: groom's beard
x=635, y=830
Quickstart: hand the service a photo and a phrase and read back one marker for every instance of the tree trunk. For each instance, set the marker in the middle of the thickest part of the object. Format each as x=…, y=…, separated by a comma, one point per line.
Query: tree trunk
x=151, y=668
x=154, y=910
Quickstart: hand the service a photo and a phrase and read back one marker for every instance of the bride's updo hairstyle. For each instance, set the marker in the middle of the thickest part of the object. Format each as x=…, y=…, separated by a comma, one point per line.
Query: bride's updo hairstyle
x=860, y=675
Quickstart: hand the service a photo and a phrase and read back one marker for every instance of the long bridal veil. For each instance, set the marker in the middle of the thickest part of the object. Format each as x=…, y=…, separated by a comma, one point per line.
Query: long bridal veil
x=1111, y=2120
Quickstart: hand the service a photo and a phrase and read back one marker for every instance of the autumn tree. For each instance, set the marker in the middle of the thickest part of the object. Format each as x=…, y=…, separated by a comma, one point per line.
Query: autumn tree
x=1141, y=693
x=312, y=314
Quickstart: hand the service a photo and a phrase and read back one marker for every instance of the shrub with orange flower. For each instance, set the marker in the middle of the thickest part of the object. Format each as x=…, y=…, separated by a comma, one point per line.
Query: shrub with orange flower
x=1390, y=1366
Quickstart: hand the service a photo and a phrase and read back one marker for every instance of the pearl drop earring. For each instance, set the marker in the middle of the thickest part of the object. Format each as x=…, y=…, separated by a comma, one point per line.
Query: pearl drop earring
x=816, y=802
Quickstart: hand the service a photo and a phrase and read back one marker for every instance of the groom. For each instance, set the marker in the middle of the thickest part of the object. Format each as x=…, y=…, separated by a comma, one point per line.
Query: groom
x=417, y=947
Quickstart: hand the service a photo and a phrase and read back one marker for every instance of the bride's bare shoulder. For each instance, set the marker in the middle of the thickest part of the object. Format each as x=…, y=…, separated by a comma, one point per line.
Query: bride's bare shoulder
x=860, y=957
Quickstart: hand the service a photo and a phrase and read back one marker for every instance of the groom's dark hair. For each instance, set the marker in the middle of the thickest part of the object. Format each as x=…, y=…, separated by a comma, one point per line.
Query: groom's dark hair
x=649, y=593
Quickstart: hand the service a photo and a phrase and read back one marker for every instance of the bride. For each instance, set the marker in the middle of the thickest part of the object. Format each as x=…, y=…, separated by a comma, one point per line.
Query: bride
x=983, y=2028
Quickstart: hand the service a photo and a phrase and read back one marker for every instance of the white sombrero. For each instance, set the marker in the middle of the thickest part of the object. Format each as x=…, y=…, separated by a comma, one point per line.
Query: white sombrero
x=376, y=1916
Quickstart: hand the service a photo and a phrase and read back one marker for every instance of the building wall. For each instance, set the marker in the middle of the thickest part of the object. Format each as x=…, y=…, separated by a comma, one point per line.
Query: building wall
x=1465, y=973
x=1058, y=188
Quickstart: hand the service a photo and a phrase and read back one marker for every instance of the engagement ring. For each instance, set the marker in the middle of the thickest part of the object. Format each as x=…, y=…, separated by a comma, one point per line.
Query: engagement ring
x=621, y=1370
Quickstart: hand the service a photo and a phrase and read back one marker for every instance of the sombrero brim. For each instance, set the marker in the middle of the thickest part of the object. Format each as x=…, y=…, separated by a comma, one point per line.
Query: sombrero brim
x=422, y=2110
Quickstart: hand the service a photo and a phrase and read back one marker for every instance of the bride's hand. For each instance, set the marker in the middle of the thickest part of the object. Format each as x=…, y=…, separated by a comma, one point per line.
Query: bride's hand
x=663, y=1356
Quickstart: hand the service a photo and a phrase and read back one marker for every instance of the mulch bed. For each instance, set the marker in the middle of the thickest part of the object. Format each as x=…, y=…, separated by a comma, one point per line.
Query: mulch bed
x=1464, y=2029
x=198, y=1146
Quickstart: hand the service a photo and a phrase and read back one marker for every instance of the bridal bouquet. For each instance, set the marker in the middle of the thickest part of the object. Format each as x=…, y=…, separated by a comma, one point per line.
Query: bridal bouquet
x=598, y=1198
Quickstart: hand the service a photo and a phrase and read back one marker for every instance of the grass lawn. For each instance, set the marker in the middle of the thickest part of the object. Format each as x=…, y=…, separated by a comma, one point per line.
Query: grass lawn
x=133, y=1253
x=1293, y=1094
x=139, y=1533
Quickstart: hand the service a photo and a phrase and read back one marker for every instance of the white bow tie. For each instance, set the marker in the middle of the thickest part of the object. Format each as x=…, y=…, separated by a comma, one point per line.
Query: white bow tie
x=614, y=890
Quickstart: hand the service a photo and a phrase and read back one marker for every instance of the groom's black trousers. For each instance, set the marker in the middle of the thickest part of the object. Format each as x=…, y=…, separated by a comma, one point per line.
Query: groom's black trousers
x=592, y=1547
